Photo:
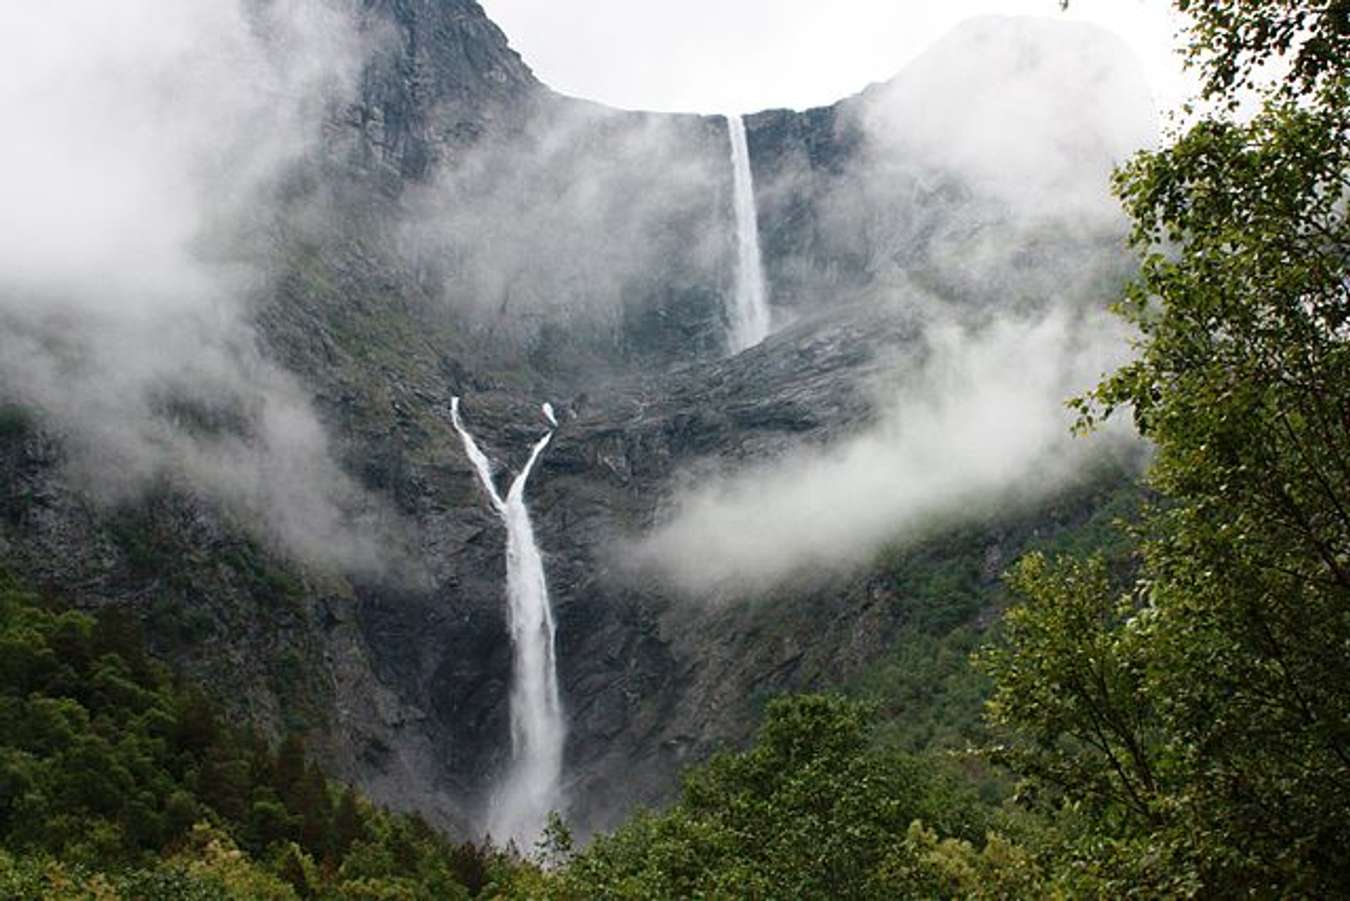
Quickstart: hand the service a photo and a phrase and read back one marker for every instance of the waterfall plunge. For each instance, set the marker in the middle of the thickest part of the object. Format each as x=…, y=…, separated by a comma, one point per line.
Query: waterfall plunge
x=531, y=789
x=750, y=311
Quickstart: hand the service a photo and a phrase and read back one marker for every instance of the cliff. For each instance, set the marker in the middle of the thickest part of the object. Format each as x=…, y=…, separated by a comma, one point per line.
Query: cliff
x=464, y=231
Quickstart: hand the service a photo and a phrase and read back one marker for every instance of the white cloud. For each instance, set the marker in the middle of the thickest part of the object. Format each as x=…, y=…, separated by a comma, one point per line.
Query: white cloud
x=142, y=139
x=981, y=426
x=713, y=56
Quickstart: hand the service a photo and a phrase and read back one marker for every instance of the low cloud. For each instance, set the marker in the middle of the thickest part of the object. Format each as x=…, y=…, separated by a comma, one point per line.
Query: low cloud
x=582, y=219
x=979, y=427
x=1030, y=112
x=143, y=141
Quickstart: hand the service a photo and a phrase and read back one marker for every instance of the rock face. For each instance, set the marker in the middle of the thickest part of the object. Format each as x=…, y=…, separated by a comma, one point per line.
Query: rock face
x=440, y=76
x=487, y=238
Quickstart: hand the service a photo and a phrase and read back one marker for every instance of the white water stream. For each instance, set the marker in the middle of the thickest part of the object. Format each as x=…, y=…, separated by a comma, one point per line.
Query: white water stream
x=531, y=788
x=750, y=308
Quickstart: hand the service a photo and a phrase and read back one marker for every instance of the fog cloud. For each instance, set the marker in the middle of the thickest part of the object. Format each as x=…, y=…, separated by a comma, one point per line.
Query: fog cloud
x=1030, y=112
x=585, y=217
x=980, y=426
x=142, y=139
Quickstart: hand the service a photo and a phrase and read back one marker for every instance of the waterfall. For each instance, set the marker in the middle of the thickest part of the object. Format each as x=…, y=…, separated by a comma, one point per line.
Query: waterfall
x=476, y=457
x=750, y=310
x=521, y=805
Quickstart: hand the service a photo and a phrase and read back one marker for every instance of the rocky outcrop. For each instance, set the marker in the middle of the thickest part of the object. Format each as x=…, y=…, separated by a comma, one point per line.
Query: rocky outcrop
x=441, y=75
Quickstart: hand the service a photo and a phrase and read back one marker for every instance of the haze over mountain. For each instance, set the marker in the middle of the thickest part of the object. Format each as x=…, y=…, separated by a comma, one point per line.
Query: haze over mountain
x=251, y=253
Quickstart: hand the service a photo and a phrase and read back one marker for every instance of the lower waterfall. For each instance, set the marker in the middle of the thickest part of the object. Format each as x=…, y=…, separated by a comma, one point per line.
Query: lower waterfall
x=531, y=789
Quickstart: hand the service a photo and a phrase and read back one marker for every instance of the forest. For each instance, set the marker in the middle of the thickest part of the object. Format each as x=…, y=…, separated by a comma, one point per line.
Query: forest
x=1165, y=716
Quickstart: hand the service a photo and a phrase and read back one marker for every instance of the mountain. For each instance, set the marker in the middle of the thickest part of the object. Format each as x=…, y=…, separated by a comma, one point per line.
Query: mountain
x=454, y=228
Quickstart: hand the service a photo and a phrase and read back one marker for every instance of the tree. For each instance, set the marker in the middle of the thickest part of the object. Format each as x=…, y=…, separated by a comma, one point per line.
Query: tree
x=349, y=826
x=108, y=764
x=1231, y=40
x=1226, y=667
x=1070, y=678
x=310, y=798
x=812, y=810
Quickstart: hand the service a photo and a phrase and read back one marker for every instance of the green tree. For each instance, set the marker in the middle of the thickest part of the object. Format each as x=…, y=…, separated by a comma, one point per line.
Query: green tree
x=310, y=798
x=349, y=825
x=1231, y=40
x=812, y=810
x=1213, y=698
x=1070, y=677
x=107, y=765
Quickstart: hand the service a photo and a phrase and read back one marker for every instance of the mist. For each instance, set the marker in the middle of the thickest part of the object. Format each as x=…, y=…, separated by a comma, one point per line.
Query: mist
x=150, y=139
x=979, y=427
x=144, y=139
x=583, y=219
x=1032, y=113
x=979, y=205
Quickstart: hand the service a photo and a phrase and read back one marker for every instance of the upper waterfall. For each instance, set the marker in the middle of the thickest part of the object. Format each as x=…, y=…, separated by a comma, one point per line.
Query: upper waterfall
x=750, y=310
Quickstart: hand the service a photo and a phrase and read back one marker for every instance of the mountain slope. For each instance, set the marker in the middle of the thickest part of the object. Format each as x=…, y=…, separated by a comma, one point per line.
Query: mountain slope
x=459, y=230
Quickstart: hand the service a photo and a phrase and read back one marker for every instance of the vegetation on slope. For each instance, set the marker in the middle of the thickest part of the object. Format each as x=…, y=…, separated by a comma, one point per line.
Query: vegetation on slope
x=929, y=694
x=115, y=781
x=814, y=810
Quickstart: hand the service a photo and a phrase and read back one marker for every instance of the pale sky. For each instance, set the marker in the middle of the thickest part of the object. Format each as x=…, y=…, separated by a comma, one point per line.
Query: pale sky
x=747, y=55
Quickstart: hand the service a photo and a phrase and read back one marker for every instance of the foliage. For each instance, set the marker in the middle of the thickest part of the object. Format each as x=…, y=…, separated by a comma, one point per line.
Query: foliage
x=1069, y=676
x=929, y=695
x=1179, y=721
x=1196, y=726
x=1241, y=44
x=117, y=782
x=813, y=810
x=1232, y=40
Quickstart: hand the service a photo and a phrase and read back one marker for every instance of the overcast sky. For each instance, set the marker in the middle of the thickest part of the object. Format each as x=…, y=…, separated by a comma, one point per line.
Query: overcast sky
x=747, y=55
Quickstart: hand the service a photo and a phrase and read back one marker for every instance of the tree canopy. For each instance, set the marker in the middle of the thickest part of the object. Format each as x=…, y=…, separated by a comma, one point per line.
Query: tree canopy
x=116, y=781
x=1202, y=714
